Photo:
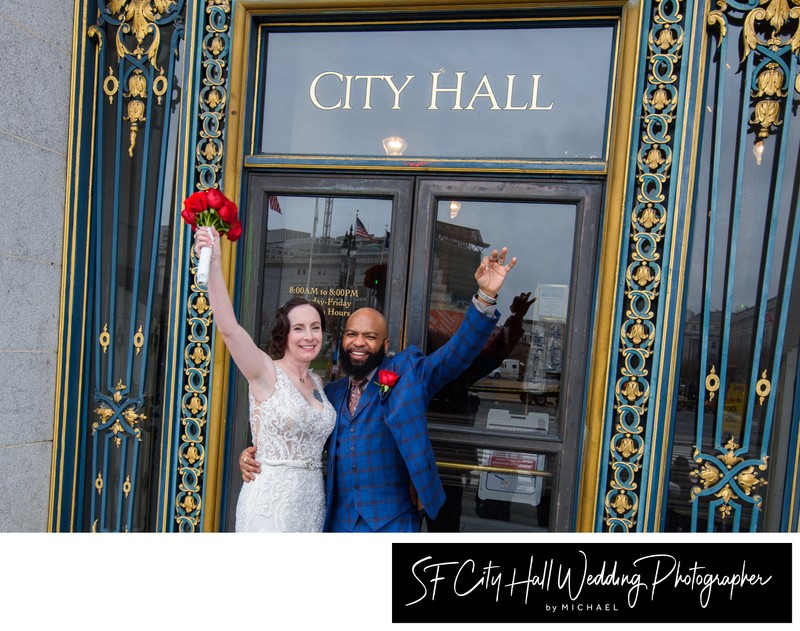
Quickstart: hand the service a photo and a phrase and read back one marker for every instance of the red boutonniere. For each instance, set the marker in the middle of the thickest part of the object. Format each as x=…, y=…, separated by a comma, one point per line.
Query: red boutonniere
x=386, y=381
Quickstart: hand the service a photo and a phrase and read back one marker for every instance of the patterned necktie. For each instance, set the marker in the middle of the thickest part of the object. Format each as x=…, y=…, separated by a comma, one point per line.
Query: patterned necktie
x=355, y=393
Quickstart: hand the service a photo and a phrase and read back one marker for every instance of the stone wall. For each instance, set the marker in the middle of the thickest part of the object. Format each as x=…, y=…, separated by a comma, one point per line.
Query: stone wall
x=37, y=40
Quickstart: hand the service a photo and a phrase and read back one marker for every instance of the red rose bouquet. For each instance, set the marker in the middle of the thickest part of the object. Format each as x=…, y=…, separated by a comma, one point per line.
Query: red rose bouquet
x=386, y=381
x=211, y=208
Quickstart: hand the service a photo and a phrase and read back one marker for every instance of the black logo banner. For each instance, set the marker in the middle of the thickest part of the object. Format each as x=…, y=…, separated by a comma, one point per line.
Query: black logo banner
x=592, y=582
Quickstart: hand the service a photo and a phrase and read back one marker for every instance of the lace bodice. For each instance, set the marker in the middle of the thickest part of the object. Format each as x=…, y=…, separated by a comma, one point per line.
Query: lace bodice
x=289, y=433
x=287, y=428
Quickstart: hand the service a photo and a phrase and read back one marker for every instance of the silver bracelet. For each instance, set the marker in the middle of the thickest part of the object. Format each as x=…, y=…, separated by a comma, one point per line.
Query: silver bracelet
x=486, y=297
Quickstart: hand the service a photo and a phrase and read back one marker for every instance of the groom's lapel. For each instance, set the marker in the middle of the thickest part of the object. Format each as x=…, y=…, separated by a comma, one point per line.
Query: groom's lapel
x=372, y=390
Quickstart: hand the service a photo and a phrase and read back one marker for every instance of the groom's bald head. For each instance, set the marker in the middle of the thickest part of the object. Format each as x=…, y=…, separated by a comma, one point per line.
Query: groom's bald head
x=364, y=342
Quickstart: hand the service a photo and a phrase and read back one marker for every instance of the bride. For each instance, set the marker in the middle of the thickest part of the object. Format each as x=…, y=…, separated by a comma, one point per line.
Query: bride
x=290, y=417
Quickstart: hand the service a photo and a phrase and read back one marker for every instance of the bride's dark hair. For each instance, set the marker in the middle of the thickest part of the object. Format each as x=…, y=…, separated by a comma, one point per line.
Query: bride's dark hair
x=280, y=329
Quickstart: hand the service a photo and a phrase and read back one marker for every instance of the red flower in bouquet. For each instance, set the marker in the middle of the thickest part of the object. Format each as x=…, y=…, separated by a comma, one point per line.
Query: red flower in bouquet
x=212, y=208
x=386, y=381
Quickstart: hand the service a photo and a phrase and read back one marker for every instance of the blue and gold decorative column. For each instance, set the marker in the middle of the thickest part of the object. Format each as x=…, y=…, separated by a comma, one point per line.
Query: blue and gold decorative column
x=188, y=489
x=645, y=303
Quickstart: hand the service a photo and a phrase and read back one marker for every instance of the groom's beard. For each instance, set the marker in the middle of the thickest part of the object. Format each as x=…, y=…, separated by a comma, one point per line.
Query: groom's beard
x=361, y=370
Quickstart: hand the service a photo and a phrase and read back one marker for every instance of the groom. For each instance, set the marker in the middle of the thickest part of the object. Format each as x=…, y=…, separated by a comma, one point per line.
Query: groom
x=381, y=467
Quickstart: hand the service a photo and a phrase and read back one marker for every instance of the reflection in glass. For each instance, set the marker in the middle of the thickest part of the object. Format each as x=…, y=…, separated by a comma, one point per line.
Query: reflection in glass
x=394, y=146
x=513, y=386
x=740, y=332
x=505, y=491
x=333, y=250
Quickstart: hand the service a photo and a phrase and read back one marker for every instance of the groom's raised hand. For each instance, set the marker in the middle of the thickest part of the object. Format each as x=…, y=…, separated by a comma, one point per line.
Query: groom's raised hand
x=491, y=272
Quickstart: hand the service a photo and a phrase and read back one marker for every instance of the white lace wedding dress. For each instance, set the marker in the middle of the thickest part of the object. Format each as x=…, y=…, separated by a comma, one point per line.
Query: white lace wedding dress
x=289, y=434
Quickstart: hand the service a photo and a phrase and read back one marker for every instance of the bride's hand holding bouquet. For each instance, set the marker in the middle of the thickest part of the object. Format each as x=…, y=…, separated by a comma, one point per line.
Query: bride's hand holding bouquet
x=210, y=209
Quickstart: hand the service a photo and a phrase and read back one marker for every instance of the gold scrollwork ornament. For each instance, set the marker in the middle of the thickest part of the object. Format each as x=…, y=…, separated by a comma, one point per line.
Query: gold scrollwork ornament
x=160, y=85
x=189, y=504
x=198, y=355
x=621, y=503
x=631, y=390
x=137, y=86
x=638, y=332
x=201, y=304
x=711, y=473
x=104, y=338
x=110, y=85
x=138, y=17
x=216, y=46
x=763, y=388
x=649, y=217
x=138, y=340
x=118, y=394
x=654, y=158
x=765, y=115
x=195, y=405
x=770, y=81
x=134, y=117
x=712, y=383
x=627, y=447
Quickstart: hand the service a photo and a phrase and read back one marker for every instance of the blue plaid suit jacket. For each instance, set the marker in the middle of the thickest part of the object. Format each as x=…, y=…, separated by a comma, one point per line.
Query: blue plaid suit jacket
x=391, y=445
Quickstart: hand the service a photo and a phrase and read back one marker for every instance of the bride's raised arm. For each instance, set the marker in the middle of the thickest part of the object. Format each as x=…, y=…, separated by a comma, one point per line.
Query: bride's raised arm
x=255, y=364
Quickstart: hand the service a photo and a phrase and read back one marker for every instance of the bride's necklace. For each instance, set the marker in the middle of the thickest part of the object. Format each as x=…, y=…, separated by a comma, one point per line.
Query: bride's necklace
x=316, y=392
x=299, y=378
x=302, y=379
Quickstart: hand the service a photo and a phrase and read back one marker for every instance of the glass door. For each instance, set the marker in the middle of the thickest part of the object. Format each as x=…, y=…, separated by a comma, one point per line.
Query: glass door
x=507, y=431
x=340, y=241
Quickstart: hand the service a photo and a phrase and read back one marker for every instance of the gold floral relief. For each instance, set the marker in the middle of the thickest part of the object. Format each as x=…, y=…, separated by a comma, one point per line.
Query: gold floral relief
x=766, y=114
x=622, y=503
x=742, y=478
x=209, y=150
x=642, y=273
x=770, y=81
x=110, y=416
x=138, y=35
x=770, y=31
x=139, y=17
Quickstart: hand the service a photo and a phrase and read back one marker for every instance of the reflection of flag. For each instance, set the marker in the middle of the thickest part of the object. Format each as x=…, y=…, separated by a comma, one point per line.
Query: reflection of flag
x=386, y=239
x=273, y=203
x=361, y=230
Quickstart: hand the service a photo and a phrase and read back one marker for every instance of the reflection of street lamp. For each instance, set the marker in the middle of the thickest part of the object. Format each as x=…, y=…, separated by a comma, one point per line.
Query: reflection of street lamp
x=454, y=208
x=758, y=151
x=348, y=250
x=394, y=145
x=348, y=256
